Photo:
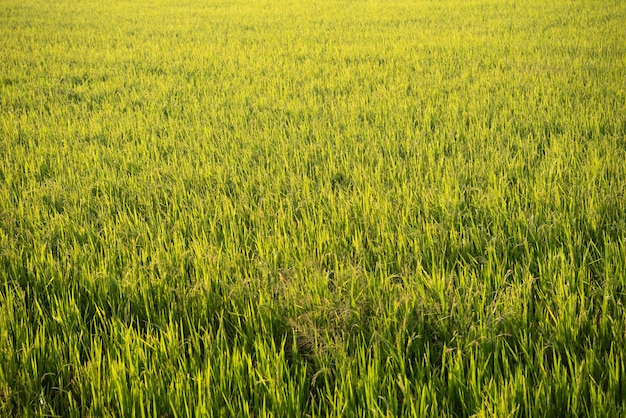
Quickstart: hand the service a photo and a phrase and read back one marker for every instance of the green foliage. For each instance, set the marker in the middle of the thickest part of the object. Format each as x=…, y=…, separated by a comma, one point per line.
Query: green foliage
x=312, y=208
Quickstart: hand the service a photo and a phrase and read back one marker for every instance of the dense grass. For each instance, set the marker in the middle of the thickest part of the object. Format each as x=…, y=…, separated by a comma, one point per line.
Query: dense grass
x=325, y=208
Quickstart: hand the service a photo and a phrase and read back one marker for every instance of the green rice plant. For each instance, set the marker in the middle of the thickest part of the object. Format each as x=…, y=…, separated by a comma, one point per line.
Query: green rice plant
x=326, y=208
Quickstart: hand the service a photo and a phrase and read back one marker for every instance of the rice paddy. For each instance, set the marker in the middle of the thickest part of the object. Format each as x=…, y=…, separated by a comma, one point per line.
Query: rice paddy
x=312, y=208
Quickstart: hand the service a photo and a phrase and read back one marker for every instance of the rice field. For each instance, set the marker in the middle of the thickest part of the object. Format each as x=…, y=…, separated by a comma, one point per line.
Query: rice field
x=325, y=208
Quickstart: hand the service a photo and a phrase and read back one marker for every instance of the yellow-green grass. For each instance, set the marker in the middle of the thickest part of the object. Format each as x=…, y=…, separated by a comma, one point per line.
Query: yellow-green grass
x=312, y=208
